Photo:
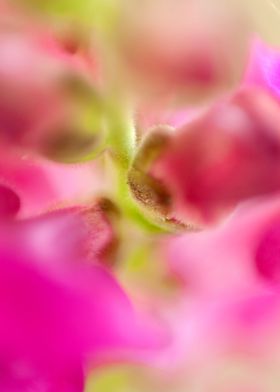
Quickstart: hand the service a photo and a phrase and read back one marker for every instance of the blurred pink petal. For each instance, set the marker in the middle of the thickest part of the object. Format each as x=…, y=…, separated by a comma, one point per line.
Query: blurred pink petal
x=45, y=94
x=264, y=67
x=185, y=49
x=229, y=303
x=41, y=185
x=85, y=232
x=57, y=315
x=237, y=256
x=224, y=331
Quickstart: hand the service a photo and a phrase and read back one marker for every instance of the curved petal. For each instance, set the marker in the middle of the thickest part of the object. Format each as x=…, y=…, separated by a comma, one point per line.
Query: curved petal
x=56, y=314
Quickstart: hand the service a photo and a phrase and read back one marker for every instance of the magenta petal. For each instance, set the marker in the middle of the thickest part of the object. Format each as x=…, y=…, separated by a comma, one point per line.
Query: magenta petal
x=18, y=376
x=58, y=312
x=268, y=254
x=64, y=313
x=264, y=67
x=9, y=202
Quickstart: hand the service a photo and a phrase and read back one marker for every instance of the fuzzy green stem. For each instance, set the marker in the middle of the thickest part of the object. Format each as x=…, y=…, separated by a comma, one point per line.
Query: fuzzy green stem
x=122, y=142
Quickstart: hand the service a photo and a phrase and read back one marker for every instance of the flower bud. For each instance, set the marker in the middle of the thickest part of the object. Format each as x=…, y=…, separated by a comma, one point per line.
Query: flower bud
x=48, y=101
x=189, y=50
x=224, y=156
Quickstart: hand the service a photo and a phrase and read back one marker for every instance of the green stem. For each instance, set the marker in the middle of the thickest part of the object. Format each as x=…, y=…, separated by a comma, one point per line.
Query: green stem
x=122, y=142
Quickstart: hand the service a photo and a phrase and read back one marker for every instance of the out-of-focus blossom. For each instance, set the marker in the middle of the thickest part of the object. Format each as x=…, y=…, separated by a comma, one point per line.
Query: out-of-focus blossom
x=59, y=313
x=48, y=100
x=223, y=156
x=218, y=341
x=181, y=49
x=81, y=79
x=227, y=314
x=224, y=341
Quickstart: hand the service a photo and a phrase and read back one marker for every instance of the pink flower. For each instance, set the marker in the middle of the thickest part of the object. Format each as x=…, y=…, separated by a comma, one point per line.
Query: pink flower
x=223, y=156
x=46, y=93
x=60, y=313
x=226, y=313
x=181, y=49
